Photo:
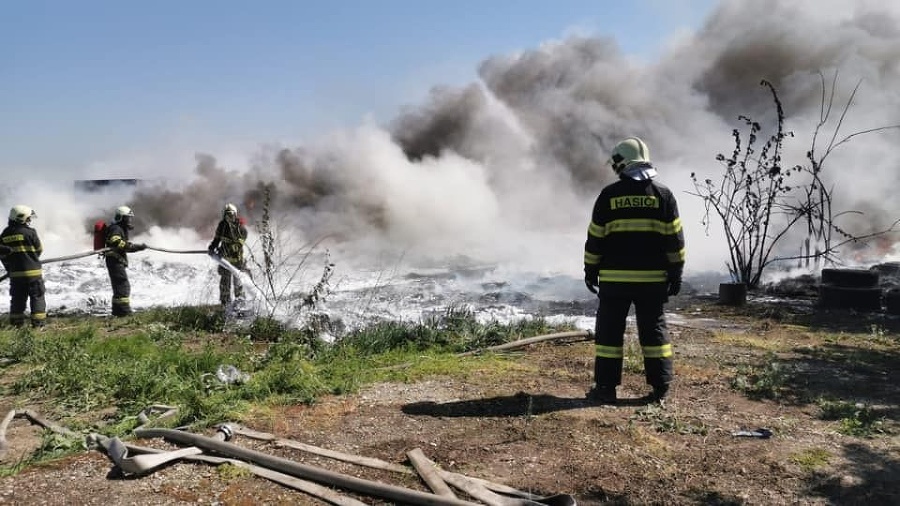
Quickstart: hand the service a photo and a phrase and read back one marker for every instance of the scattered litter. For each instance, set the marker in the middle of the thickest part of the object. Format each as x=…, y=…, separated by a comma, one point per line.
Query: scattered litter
x=758, y=433
x=229, y=374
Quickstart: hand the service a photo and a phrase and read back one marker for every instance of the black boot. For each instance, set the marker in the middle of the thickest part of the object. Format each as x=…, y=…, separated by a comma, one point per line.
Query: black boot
x=658, y=395
x=602, y=395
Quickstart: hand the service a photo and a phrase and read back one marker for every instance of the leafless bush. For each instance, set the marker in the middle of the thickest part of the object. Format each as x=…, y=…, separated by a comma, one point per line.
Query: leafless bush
x=759, y=201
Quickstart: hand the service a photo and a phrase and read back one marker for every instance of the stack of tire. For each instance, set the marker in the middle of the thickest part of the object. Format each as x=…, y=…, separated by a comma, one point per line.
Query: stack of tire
x=857, y=289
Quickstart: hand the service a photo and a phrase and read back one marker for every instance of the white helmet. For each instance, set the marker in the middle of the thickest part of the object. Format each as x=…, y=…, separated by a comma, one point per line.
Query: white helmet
x=230, y=210
x=628, y=151
x=123, y=212
x=21, y=214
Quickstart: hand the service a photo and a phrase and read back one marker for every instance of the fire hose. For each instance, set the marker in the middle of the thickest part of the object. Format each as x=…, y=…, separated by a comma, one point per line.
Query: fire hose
x=136, y=460
x=303, y=471
x=180, y=251
x=67, y=257
x=104, y=250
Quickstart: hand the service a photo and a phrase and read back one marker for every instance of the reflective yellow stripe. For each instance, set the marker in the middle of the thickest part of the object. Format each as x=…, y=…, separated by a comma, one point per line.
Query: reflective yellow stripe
x=117, y=241
x=34, y=273
x=121, y=300
x=38, y=316
x=14, y=238
x=590, y=258
x=635, y=225
x=675, y=226
x=24, y=249
x=608, y=351
x=611, y=276
x=676, y=256
x=664, y=351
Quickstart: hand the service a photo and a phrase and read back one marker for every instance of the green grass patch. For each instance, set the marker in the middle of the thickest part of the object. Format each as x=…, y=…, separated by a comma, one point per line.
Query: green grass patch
x=767, y=380
x=153, y=360
x=171, y=356
x=812, y=459
x=854, y=419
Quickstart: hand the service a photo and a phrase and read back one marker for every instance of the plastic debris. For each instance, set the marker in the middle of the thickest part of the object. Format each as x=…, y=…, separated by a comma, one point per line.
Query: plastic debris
x=229, y=374
x=758, y=433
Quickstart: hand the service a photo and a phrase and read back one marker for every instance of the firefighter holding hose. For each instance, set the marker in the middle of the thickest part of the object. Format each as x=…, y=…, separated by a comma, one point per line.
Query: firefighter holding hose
x=119, y=246
x=634, y=254
x=228, y=243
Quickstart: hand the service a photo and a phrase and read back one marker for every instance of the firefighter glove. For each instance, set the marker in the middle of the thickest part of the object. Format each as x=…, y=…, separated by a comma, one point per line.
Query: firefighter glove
x=673, y=283
x=590, y=280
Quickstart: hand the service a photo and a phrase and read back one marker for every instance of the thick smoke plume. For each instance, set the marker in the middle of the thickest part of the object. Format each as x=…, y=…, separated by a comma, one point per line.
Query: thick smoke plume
x=507, y=167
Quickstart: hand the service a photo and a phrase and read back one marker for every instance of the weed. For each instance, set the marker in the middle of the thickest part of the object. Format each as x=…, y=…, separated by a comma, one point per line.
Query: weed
x=855, y=419
x=634, y=359
x=879, y=335
x=812, y=459
x=186, y=318
x=282, y=264
x=761, y=382
x=664, y=420
x=229, y=472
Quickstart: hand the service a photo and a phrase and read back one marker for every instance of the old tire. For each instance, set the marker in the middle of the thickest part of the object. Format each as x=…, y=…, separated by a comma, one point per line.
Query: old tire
x=842, y=297
x=850, y=278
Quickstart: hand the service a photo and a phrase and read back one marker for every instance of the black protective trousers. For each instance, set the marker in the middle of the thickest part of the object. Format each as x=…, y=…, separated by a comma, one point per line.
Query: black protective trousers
x=609, y=335
x=25, y=291
x=227, y=281
x=121, y=288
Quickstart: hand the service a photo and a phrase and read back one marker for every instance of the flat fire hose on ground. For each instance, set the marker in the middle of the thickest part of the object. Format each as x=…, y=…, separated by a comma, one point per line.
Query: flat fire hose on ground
x=299, y=470
x=309, y=487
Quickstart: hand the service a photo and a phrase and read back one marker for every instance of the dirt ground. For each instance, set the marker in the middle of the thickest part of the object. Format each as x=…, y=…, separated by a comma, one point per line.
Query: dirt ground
x=528, y=427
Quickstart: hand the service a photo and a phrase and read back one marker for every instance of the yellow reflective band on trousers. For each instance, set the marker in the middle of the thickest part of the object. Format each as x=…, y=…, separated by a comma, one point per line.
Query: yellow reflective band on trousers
x=617, y=276
x=121, y=300
x=609, y=351
x=38, y=316
x=664, y=351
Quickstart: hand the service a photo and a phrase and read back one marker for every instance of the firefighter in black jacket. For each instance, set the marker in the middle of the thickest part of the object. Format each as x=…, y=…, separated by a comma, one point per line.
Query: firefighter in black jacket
x=23, y=264
x=117, y=259
x=228, y=243
x=634, y=254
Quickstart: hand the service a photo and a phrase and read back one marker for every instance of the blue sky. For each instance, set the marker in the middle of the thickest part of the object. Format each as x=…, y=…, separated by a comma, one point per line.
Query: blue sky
x=86, y=80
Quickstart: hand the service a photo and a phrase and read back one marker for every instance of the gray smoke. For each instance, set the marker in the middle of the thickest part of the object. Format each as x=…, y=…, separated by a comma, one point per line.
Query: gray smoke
x=522, y=150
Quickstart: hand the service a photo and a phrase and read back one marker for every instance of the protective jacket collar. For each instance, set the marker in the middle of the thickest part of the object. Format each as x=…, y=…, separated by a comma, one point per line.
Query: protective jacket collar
x=639, y=171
